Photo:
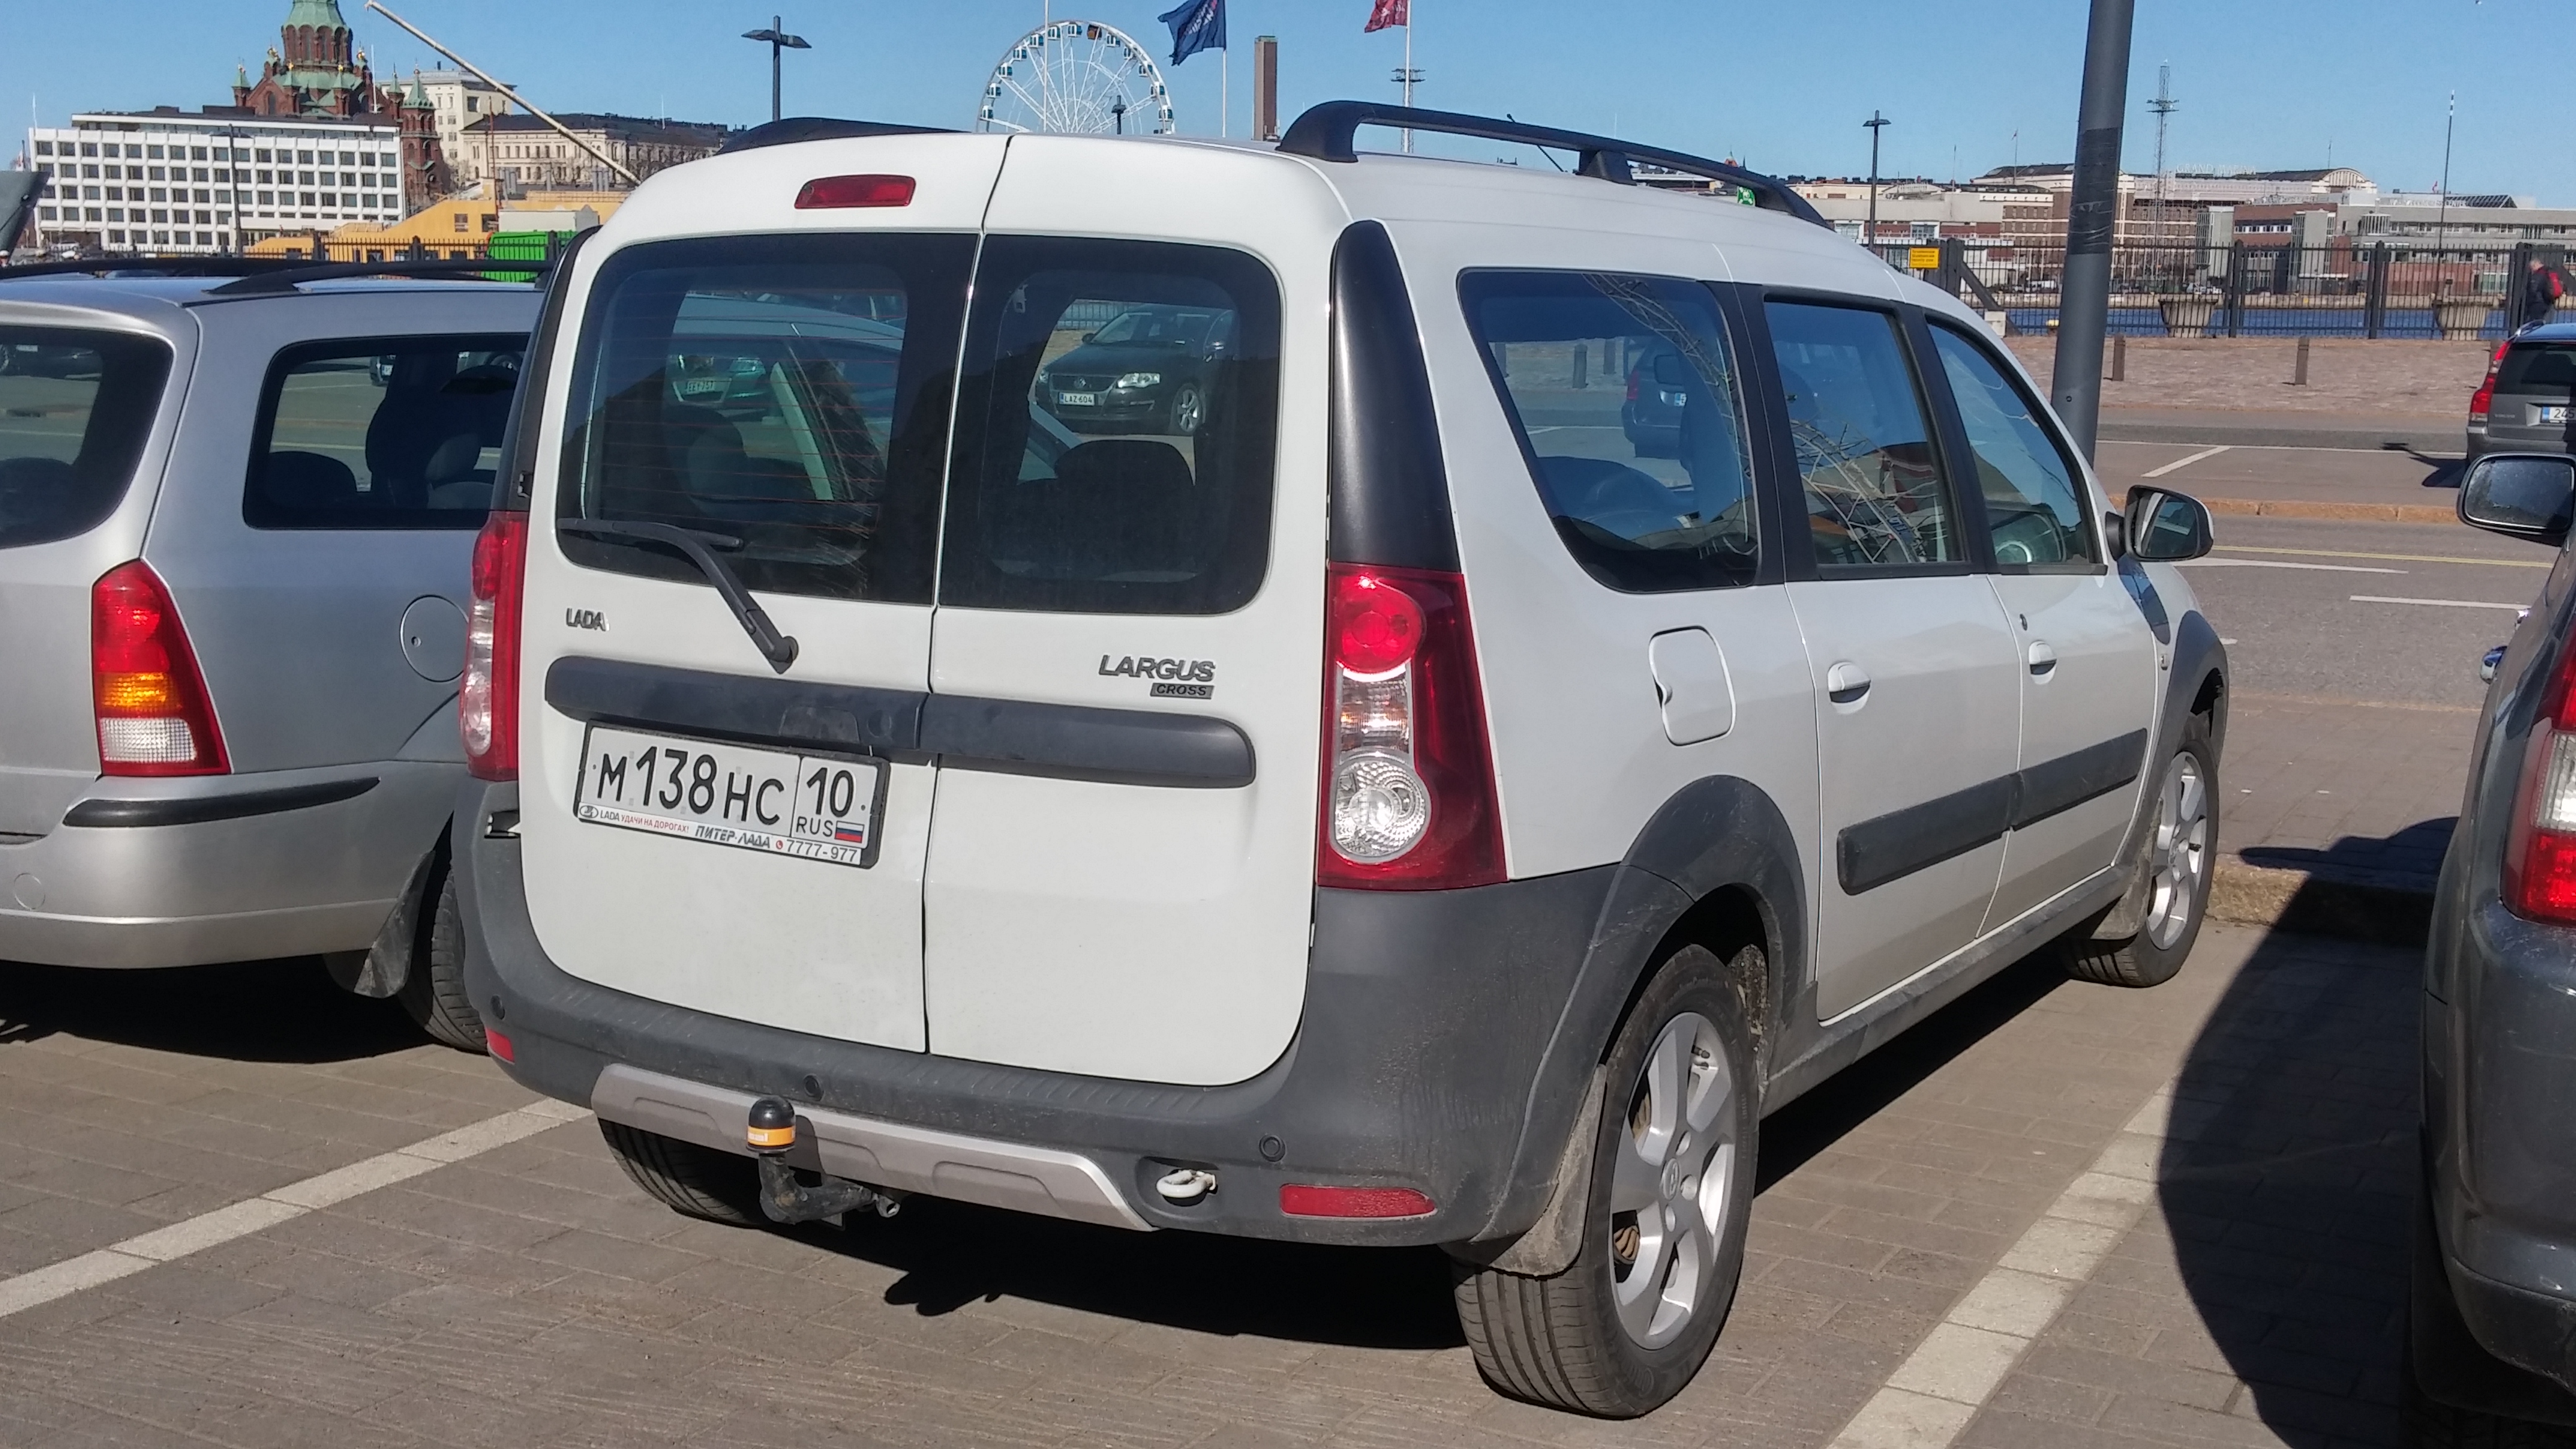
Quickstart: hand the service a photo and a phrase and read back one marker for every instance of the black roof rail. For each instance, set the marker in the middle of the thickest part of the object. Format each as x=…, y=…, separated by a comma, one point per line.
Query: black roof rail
x=1325, y=131
x=218, y=266
x=819, y=128
x=287, y=279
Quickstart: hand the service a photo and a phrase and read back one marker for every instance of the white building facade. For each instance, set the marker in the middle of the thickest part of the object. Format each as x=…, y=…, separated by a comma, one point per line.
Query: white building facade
x=177, y=183
x=458, y=100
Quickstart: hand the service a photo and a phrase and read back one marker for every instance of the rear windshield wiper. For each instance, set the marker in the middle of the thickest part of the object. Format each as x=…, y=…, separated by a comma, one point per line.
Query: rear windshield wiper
x=699, y=546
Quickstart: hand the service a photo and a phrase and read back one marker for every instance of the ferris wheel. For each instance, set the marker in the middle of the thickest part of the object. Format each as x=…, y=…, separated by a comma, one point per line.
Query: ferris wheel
x=1076, y=77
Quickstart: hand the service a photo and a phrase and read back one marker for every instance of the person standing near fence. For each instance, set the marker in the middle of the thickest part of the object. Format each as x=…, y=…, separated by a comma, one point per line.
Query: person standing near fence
x=2542, y=286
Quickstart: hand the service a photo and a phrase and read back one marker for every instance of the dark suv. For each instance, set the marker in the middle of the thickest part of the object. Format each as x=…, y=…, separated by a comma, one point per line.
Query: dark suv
x=2494, y=1298
x=2522, y=405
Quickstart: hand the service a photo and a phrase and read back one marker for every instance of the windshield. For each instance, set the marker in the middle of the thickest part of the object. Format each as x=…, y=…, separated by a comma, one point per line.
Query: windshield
x=1156, y=327
x=2541, y=367
x=788, y=392
x=75, y=409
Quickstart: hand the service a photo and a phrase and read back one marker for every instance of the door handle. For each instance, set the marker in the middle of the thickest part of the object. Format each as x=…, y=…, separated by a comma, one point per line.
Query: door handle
x=2042, y=658
x=1846, y=682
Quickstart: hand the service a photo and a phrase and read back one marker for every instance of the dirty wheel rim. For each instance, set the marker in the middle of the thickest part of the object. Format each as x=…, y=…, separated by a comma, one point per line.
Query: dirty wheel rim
x=2179, y=855
x=1671, y=1182
x=1185, y=412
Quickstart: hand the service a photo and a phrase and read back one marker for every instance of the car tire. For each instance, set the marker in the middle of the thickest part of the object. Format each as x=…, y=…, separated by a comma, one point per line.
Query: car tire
x=1188, y=412
x=695, y=1181
x=2181, y=851
x=1675, y=1147
x=433, y=991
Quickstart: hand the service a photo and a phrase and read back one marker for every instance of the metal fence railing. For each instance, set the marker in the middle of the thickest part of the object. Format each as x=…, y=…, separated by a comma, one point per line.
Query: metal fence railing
x=2354, y=287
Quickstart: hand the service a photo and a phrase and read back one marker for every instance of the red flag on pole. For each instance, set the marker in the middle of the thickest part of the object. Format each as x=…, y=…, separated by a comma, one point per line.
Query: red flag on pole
x=1390, y=12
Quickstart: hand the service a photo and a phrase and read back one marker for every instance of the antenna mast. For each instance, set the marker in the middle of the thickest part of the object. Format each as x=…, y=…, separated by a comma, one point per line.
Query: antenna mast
x=2164, y=105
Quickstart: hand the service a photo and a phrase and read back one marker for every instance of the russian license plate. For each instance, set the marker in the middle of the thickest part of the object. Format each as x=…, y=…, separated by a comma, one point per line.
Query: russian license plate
x=1078, y=399
x=2553, y=412
x=817, y=807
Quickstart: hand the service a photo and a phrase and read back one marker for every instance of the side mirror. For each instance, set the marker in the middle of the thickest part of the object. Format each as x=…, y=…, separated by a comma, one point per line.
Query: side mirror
x=1090, y=337
x=2115, y=531
x=2521, y=495
x=2165, y=527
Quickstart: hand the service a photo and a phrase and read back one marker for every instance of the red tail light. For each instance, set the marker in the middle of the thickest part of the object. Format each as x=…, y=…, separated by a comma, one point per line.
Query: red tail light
x=499, y=1045
x=487, y=700
x=826, y=192
x=2540, y=849
x=1634, y=374
x=1408, y=789
x=2483, y=400
x=154, y=717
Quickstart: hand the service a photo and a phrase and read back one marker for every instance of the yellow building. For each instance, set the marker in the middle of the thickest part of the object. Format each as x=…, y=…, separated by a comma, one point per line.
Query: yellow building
x=455, y=228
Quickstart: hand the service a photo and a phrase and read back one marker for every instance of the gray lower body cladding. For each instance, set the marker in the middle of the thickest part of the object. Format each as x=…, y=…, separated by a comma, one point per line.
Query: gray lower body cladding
x=1428, y=1057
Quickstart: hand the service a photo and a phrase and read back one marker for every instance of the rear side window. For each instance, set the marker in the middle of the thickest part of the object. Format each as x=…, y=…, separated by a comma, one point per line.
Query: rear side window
x=785, y=396
x=75, y=409
x=2541, y=367
x=1625, y=396
x=1876, y=499
x=1116, y=430
x=382, y=432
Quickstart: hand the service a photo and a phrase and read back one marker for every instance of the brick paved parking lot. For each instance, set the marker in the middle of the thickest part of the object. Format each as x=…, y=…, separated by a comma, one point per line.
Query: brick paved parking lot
x=529, y=1295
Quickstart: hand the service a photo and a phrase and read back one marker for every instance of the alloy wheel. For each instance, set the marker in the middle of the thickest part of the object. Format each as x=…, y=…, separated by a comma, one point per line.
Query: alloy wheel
x=1671, y=1181
x=2179, y=855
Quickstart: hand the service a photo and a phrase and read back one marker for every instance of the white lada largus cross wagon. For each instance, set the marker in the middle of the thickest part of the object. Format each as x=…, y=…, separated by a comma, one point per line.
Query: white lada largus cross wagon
x=1153, y=682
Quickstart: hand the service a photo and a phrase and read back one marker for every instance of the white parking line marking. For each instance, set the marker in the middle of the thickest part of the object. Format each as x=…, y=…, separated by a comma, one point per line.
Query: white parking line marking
x=2281, y=563
x=1928, y=1401
x=2178, y=464
x=2457, y=558
x=2436, y=603
x=294, y=1200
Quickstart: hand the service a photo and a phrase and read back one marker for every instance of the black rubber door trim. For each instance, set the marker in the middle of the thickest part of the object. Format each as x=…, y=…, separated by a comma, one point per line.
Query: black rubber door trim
x=1895, y=845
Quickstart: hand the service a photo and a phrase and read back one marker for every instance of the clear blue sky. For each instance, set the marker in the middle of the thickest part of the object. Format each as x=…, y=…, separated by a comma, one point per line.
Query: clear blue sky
x=1785, y=87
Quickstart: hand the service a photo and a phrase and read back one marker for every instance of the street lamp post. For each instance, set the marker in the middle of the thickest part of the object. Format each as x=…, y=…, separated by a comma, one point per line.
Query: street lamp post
x=2092, y=219
x=777, y=39
x=1876, y=123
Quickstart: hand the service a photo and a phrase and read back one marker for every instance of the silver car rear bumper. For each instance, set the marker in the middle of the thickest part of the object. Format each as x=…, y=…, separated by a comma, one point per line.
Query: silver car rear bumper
x=186, y=872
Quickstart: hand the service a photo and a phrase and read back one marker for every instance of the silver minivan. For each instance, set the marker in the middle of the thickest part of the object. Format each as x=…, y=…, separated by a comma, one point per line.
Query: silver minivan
x=1404, y=798
x=235, y=520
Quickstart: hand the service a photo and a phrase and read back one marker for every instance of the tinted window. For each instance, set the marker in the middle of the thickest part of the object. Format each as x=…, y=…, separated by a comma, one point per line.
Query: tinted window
x=1115, y=431
x=382, y=433
x=2542, y=367
x=2034, y=501
x=1625, y=396
x=1875, y=495
x=75, y=408
x=788, y=395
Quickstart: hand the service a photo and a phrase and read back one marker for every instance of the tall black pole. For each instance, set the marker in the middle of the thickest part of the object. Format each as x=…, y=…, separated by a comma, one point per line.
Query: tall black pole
x=1876, y=123
x=2084, y=296
x=777, y=27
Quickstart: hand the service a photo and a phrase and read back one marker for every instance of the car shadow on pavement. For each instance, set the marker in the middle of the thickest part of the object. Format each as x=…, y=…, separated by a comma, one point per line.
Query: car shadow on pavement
x=952, y=1254
x=2286, y=1183
x=260, y=1011
x=2362, y=887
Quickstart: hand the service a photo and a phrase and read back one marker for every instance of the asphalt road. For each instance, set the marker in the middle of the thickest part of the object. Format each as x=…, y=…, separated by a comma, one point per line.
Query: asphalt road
x=2364, y=611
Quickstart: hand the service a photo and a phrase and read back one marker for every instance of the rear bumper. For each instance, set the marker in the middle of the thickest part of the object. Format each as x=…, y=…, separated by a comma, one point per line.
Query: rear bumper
x=1428, y=1056
x=148, y=873
x=2500, y=1065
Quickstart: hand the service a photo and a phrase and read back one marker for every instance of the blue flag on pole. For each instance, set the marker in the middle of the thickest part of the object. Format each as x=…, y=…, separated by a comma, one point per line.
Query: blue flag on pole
x=1196, y=25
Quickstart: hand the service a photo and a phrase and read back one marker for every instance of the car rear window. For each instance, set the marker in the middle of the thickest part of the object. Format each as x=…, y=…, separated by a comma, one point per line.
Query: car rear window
x=2541, y=367
x=1116, y=428
x=1630, y=409
x=383, y=432
x=75, y=409
x=788, y=396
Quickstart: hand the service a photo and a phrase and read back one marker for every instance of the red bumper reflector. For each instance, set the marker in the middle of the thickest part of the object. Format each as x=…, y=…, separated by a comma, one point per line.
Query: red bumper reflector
x=1298, y=1200
x=831, y=191
x=498, y=1045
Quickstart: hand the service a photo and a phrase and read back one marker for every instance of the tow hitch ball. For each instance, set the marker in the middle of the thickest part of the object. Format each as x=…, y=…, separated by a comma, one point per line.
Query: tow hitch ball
x=772, y=1135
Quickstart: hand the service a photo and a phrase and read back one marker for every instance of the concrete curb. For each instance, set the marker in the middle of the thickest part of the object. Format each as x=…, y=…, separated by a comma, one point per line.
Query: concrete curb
x=2346, y=512
x=2389, y=911
x=2116, y=429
